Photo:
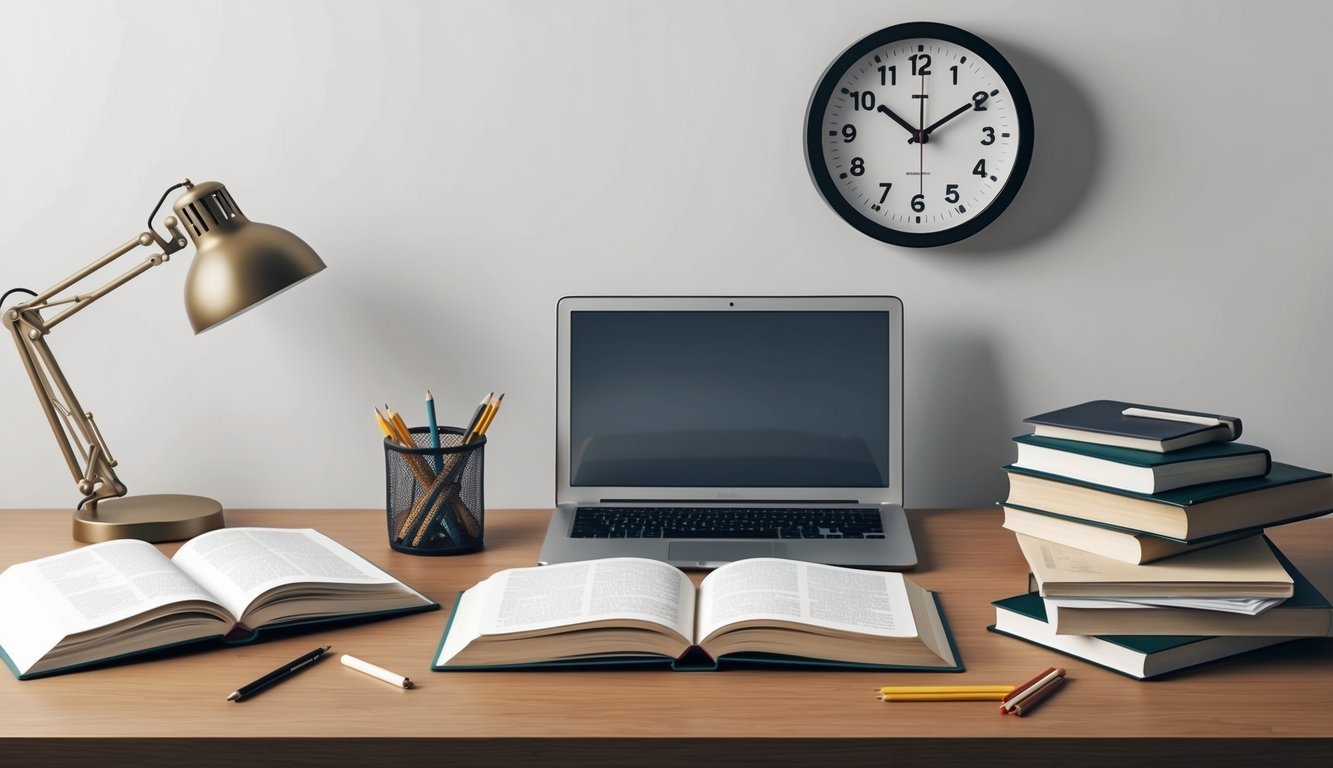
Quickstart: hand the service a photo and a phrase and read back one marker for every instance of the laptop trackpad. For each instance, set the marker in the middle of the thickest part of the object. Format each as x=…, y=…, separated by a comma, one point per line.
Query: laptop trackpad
x=722, y=551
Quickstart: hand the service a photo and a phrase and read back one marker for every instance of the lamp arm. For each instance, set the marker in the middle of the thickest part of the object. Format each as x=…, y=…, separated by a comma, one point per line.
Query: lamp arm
x=80, y=441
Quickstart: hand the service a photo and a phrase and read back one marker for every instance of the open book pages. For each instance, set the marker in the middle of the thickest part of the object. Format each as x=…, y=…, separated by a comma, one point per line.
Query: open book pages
x=619, y=608
x=119, y=597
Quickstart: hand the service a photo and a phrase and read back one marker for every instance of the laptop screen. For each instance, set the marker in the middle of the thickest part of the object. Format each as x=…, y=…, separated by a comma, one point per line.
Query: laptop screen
x=754, y=399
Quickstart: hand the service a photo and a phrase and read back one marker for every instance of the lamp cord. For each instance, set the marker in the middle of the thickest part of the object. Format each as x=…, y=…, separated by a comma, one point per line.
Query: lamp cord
x=158, y=207
x=5, y=297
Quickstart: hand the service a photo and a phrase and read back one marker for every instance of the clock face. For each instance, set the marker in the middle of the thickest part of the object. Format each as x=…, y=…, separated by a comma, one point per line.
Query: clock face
x=919, y=135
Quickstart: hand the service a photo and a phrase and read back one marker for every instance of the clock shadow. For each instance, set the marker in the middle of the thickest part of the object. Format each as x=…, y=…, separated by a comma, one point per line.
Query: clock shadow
x=1066, y=156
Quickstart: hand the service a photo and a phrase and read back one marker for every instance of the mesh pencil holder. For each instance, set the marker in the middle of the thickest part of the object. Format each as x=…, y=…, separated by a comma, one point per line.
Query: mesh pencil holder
x=434, y=495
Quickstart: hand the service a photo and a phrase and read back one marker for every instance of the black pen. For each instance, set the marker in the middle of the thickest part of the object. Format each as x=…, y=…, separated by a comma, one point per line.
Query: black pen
x=277, y=675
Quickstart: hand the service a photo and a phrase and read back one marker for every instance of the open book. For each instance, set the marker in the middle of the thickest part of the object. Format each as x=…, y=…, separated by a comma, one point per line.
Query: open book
x=758, y=611
x=124, y=597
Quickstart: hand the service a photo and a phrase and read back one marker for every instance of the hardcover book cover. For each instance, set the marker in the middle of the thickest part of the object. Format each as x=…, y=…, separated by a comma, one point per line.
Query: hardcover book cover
x=1106, y=421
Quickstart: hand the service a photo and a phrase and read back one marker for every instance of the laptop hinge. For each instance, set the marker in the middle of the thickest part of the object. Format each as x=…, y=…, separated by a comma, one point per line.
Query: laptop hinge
x=769, y=502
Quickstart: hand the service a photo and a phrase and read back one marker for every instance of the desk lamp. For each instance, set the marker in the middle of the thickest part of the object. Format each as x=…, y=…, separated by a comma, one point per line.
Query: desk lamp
x=238, y=263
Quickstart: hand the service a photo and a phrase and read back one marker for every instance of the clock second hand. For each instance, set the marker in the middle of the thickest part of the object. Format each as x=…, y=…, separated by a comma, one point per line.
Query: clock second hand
x=921, y=145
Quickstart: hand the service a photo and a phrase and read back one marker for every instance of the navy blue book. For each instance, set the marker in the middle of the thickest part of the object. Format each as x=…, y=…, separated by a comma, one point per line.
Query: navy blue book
x=1141, y=471
x=1141, y=427
x=121, y=599
x=629, y=611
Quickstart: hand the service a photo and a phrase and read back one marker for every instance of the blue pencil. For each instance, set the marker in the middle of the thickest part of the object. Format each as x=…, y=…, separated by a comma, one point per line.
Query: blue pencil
x=434, y=430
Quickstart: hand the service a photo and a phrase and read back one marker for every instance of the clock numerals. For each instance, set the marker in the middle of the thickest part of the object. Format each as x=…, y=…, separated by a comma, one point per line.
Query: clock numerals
x=881, y=150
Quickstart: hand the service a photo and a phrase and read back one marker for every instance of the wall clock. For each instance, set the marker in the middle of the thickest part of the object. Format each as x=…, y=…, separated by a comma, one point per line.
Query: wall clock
x=919, y=134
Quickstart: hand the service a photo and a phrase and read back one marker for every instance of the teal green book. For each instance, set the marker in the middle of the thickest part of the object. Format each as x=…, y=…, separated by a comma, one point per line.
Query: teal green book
x=120, y=600
x=1141, y=471
x=631, y=612
x=1138, y=656
x=1286, y=494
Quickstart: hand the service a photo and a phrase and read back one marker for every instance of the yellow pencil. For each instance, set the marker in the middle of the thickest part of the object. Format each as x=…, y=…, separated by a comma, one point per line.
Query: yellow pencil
x=978, y=696
x=489, y=416
x=385, y=427
x=946, y=689
x=399, y=427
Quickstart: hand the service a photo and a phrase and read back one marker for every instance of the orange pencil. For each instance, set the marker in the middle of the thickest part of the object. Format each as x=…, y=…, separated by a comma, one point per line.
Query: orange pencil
x=1030, y=703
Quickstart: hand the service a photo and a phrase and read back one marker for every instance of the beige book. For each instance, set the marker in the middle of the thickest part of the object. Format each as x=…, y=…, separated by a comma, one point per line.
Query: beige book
x=1243, y=568
x=1125, y=546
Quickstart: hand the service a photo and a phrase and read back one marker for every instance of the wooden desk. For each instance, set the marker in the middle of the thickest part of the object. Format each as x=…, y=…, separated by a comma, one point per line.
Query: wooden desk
x=1273, y=705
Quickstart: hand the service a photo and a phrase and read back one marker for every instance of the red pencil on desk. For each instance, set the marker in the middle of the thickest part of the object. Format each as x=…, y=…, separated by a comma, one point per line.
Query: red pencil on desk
x=1038, y=696
x=1022, y=691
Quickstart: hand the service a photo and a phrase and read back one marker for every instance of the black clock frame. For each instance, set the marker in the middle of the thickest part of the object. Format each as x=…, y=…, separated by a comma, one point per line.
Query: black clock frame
x=814, y=129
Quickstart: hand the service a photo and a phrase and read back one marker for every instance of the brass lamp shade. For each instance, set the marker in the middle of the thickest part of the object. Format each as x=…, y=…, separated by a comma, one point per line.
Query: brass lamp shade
x=238, y=263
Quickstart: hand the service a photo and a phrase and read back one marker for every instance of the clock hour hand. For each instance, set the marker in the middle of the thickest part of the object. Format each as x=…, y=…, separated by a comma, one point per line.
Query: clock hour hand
x=925, y=135
x=910, y=128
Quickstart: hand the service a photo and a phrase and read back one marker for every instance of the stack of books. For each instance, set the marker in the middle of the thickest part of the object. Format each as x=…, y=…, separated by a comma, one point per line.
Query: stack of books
x=1143, y=532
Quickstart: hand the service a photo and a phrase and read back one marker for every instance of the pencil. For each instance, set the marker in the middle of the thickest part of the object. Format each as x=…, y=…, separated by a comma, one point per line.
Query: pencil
x=974, y=696
x=399, y=427
x=489, y=416
x=1017, y=698
x=385, y=427
x=1039, y=695
x=1035, y=679
x=946, y=689
x=477, y=415
x=434, y=430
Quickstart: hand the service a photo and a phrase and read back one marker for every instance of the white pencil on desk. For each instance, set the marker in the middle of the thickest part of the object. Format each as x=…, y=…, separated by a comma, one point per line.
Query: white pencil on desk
x=374, y=671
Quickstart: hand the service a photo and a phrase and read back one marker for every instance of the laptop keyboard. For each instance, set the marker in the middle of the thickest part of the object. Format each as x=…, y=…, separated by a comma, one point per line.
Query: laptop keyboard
x=726, y=523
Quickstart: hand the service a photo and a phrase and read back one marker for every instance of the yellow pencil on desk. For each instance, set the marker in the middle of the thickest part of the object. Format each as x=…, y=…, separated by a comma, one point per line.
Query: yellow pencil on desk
x=1001, y=689
x=972, y=696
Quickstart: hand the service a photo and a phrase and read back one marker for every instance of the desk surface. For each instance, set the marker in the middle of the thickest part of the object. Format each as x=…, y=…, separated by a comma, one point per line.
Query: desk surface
x=1277, y=699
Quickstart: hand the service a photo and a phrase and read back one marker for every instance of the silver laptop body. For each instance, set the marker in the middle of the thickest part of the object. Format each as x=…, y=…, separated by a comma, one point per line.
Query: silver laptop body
x=722, y=405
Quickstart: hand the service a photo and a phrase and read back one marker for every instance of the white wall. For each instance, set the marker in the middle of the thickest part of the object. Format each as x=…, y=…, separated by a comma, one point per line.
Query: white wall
x=461, y=165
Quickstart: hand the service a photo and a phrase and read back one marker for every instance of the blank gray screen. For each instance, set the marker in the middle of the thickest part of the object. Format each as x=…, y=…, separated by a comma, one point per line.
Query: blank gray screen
x=729, y=399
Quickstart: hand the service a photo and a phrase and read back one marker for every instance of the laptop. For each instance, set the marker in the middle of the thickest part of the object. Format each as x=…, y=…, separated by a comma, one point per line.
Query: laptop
x=701, y=430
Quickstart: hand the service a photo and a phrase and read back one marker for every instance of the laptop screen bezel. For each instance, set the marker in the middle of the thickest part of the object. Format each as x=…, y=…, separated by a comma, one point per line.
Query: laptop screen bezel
x=569, y=494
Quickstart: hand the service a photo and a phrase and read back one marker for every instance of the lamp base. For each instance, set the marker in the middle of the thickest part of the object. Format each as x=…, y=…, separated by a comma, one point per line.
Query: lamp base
x=155, y=517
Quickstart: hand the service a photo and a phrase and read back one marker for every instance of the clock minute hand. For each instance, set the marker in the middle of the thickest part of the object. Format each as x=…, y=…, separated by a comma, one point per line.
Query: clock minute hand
x=910, y=128
x=926, y=133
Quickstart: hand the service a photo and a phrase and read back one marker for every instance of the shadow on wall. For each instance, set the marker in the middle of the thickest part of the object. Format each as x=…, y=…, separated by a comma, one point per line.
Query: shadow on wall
x=1066, y=156
x=958, y=435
